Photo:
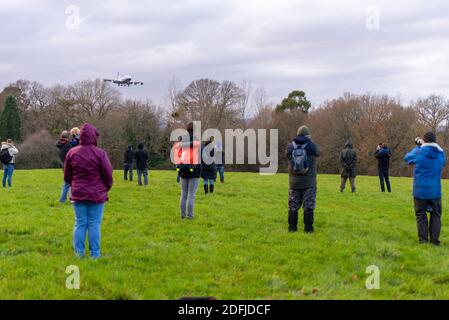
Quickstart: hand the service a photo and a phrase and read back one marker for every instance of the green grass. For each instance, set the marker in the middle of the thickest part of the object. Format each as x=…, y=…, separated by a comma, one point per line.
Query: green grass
x=237, y=247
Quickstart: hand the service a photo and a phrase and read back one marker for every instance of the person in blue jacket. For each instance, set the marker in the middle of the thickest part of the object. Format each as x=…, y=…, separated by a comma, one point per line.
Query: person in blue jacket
x=429, y=159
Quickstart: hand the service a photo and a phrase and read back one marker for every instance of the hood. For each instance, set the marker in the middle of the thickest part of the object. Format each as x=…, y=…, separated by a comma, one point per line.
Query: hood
x=348, y=144
x=6, y=146
x=431, y=150
x=301, y=139
x=88, y=135
x=62, y=142
x=140, y=146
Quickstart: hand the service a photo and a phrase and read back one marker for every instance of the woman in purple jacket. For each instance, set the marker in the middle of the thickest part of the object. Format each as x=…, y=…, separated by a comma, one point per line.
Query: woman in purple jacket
x=89, y=173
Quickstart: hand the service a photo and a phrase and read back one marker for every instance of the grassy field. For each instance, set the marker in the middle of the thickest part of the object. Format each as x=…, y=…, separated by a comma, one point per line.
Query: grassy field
x=237, y=247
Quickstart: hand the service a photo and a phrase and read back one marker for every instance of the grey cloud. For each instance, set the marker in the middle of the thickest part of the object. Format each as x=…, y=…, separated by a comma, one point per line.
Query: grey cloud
x=320, y=46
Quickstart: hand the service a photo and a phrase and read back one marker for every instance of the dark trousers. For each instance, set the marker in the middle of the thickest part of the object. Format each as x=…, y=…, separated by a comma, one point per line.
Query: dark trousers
x=128, y=167
x=424, y=227
x=298, y=198
x=384, y=175
x=343, y=183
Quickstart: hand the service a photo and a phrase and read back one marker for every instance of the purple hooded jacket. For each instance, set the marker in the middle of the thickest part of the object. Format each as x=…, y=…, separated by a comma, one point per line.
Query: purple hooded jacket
x=87, y=169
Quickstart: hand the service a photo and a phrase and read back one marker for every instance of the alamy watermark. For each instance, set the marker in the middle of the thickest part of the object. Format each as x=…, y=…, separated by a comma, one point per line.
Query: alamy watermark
x=73, y=19
x=72, y=282
x=373, y=280
x=257, y=143
x=372, y=21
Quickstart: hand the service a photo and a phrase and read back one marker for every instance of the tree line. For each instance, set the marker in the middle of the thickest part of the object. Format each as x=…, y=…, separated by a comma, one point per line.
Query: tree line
x=367, y=120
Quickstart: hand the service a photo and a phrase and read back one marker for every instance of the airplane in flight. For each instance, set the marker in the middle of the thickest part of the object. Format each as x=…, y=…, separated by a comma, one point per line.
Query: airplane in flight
x=123, y=81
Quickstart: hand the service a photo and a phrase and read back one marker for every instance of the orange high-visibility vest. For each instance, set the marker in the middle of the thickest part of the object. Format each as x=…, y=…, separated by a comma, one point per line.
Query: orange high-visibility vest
x=187, y=154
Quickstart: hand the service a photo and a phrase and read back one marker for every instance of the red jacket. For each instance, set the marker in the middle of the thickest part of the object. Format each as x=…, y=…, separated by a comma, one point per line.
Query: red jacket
x=87, y=169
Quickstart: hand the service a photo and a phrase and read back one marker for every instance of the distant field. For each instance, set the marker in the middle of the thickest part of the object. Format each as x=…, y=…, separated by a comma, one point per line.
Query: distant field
x=238, y=246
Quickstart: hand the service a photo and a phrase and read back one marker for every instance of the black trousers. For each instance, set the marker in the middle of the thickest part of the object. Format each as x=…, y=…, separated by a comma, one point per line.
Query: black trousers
x=424, y=227
x=384, y=175
x=298, y=198
x=128, y=167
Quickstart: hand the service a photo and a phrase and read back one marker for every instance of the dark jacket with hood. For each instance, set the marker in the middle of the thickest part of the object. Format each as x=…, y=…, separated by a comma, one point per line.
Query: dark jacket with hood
x=141, y=157
x=308, y=180
x=348, y=160
x=383, y=156
x=88, y=169
x=129, y=155
x=64, y=146
x=208, y=166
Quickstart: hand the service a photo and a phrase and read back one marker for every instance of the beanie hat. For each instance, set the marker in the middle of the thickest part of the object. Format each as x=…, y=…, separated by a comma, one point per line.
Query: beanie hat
x=430, y=137
x=303, y=131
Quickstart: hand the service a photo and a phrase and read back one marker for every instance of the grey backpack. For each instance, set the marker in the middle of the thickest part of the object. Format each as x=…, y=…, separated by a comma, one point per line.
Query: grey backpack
x=300, y=164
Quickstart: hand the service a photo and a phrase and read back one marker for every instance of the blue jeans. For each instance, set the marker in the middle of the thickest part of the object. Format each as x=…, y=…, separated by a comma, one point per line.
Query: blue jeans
x=64, y=192
x=220, y=170
x=88, y=217
x=143, y=172
x=8, y=169
x=208, y=181
x=188, y=192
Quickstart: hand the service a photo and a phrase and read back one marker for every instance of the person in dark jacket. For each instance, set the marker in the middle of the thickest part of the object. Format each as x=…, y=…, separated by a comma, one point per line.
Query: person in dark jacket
x=89, y=172
x=429, y=160
x=208, y=167
x=348, y=160
x=141, y=157
x=302, y=187
x=64, y=146
x=383, y=155
x=75, y=136
x=189, y=171
x=128, y=165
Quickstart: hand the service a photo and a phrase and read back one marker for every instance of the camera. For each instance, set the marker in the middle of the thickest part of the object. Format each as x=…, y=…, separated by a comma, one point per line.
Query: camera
x=418, y=141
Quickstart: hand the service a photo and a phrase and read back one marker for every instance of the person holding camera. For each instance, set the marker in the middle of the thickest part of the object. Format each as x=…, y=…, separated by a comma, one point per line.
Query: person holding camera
x=429, y=159
x=8, y=156
x=383, y=155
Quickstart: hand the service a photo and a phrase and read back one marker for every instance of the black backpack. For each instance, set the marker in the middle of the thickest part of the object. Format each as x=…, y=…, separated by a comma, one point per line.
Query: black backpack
x=5, y=156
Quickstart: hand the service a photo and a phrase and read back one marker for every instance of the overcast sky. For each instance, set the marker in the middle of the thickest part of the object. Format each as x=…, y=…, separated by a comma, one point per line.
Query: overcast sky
x=324, y=47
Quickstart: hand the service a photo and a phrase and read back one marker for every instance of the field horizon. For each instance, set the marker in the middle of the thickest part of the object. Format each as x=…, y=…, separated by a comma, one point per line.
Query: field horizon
x=237, y=247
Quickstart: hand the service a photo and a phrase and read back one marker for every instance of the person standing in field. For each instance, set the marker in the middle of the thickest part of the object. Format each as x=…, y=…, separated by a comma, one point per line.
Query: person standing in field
x=8, y=154
x=208, y=167
x=129, y=160
x=64, y=146
x=348, y=160
x=429, y=159
x=383, y=155
x=302, y=153
x=141, y=164
x=188, y=150
x=75, y=136
x=89, y=172
x=220, y=165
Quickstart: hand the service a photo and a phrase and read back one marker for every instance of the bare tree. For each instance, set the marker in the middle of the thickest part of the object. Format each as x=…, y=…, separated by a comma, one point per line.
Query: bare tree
x=432, y=111
x=214, y=104
x=95, y=98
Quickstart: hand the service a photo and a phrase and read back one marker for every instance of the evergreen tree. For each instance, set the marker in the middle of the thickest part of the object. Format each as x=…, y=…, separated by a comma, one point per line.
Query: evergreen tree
x=10, y=121
x=295, y=100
